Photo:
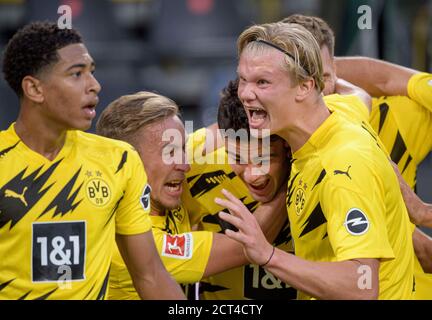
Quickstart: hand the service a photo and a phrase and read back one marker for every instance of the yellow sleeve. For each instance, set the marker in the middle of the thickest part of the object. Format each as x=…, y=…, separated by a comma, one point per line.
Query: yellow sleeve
x=184, y=255
x=194, y=208
x=195, y=145
x=132, y=214
x=420, y=89
x=356, y=222
x=351, y=106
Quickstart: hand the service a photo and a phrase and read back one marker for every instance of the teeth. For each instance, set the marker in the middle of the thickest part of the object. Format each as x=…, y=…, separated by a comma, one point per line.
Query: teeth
x=174, y=185
x=258, y=114
x=174, y=188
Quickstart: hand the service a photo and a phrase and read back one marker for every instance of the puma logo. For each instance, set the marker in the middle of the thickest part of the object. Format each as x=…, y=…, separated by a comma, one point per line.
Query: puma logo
x=174, y=246
x=343, y=172
x=13, y=194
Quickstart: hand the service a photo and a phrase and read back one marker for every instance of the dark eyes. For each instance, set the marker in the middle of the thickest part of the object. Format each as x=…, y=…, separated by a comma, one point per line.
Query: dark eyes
x=79, y=73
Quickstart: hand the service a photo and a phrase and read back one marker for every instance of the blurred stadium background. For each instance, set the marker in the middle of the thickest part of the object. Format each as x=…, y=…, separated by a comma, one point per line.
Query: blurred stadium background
x=186, y=49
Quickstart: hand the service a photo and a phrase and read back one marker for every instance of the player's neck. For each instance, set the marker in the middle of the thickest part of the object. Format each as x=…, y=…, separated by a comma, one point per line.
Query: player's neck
x=157, y=209
x=43, y=139
x=301, y=130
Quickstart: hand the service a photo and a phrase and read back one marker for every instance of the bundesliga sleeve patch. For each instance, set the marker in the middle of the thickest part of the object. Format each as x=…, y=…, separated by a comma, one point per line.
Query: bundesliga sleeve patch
x=178, y=246
x=356, y=222
x=145, y=198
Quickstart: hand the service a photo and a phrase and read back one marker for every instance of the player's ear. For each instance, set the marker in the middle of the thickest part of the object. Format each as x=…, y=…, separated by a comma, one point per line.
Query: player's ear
x=32, y=89
x=304, y=89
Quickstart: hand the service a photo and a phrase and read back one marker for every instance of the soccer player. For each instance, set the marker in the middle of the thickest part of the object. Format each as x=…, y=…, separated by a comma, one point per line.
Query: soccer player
x=392, y=117
x=236, y=173
x=66, y=195
x=250, y=281
x=238, y=283
x=348, y=221
x=151, y=123
x=401, y=97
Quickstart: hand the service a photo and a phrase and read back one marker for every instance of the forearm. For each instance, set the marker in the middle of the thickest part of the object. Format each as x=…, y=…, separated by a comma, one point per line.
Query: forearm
x=149, y=276
x=423, y=249
x=225, y=254
x=377, y=77
x=150, y=287
x=323, y=280
x=426, y=215
x=420, y=213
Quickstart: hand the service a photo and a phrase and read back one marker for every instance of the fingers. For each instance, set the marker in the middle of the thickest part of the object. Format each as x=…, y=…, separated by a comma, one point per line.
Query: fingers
x=231, y=197
x=233, y=208
x=237, y=236
x=236, y=222
x=234, y=205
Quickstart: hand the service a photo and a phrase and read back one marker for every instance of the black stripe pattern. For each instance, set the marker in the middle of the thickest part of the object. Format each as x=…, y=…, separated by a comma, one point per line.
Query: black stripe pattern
x=315, y=219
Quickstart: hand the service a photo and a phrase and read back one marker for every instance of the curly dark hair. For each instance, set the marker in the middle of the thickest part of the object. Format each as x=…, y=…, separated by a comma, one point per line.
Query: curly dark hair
x=33, y=48
x=231, y=114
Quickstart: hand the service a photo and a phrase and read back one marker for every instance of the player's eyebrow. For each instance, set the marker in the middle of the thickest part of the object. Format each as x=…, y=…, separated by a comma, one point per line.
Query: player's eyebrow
x=81, y=65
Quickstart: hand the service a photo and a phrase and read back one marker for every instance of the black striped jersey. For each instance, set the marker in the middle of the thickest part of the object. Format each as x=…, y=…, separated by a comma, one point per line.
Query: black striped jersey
x=353, y=110
x=404, y=125
x=343, y=204
x=206, y=179
x=58, y=218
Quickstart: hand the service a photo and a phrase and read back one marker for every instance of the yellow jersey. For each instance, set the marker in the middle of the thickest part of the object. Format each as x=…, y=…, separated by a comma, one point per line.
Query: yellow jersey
x=184, y=253
x=58, y=218
x=420, y=89
x=206, y=179
x=342, y=204
x=404, y=125
x=405, y=128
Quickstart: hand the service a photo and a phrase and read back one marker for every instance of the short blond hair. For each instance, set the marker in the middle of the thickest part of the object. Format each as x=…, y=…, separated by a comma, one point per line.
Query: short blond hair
x=303, y=57
x=125, y=116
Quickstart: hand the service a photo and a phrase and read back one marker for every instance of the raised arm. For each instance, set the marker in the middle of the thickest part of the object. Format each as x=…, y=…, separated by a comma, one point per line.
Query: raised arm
x=420, y=213
x=323, y=280
x=423, y=249
x=377, y=77
x=150, y=278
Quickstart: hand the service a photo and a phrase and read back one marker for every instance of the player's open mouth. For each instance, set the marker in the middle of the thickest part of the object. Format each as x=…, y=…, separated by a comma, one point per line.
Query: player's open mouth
x=174, y=187
x=259, y=186
x=257, y=117
x=90, y=109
